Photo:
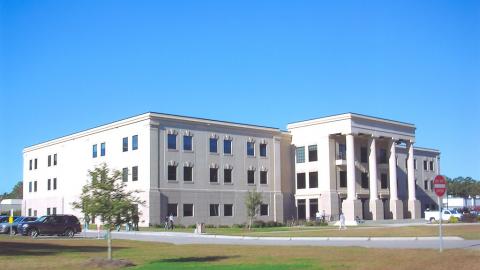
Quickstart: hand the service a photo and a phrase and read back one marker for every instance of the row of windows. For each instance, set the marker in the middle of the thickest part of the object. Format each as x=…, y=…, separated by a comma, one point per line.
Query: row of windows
x=33, y=163
x=214, y=210
x=312, y=180
x=32, y=186
x=364, y=180
x=134, y=174
x=213, y=145
x=312, y=153
x=214, y=178
x=34, y=212
x=102, y=150
x=134, y=143
x=51, y=185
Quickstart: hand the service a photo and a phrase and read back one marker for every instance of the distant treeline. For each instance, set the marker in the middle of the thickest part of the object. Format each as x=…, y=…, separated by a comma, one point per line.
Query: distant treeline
x=463, y=187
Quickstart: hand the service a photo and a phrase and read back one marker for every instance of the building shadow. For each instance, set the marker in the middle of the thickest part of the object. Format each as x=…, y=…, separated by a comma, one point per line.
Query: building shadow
x=196, y=259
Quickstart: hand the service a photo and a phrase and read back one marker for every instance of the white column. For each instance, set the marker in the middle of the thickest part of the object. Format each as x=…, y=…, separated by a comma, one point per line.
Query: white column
x=392, y=169
x=372, y=168
x=413, y=204
x=351, y=183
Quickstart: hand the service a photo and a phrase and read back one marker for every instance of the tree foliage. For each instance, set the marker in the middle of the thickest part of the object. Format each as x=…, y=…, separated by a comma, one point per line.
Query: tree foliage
x=463, y=187
x=16, y=193
x=252, y=203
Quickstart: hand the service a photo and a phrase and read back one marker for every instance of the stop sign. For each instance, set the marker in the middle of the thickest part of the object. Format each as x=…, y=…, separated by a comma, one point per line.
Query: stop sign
x=439, y=185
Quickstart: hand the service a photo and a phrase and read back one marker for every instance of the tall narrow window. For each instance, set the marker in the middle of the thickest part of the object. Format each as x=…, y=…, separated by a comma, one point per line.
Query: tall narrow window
x=187, y=143
x=134, y=142
x=54, y=183
x=29, y=186
x=312, y=153
x=301, y=184
x=213, y=175
x=425, y=185
x=263, y=149
x=431, y=165
x=49, y=162
x=227, y=175
x=125, y=144
x=214, y=210
x=228, y=210
x=94, y=151
x=300, y=154
x=264, y=209
x=363, y=154
x=54, y=210
x=30, y=166
x=54, y=159
x=313, y=180
x=382, y=159
x=49, y=184
x=187, y=174
x=102, y=149
x=135, y=173
x=250, y=149
x=227, y=147
x=213, y=145
x=125, y=174
x=35, y=186
x=172, y=172
x=36, y=163
x=29, y=212
x=251, y=177
x=263, y=177
x=48, y=211
x=414, y=163
x=343, y=179
x=342, y=151
x=425, y=165
x=172, y=141
x=383, y=181
x=364, y=180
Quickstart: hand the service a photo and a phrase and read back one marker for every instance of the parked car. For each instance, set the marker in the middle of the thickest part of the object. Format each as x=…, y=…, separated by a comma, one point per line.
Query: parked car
x=5, y=226
x=3, y=219
x=446, y=214
x=67, y=225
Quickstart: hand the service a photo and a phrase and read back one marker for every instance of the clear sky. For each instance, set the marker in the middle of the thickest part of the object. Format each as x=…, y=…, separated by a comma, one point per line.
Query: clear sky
x=66, y=66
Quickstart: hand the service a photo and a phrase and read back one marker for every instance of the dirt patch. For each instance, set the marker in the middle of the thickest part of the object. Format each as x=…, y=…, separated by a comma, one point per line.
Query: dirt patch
x=108, y=264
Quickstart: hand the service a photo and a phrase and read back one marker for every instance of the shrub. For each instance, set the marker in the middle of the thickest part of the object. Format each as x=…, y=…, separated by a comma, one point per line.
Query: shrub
x=315, y=223
x=453, y=219
x=223, y=226
x=272, y=223
x=193, y=226
x=238, y=226
x=210, y=226
x=179, y=226
x=258, y=224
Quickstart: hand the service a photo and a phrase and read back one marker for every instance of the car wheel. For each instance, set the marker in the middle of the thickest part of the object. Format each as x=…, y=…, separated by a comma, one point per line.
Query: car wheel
x=14, y=232
x=69, y=233
x=432, y=219
x=33, y=233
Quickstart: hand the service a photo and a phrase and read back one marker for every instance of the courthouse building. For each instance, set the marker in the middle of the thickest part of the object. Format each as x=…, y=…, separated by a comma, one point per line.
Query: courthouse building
x=200, y=170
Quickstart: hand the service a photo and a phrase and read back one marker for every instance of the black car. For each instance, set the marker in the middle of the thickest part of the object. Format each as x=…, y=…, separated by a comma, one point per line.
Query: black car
x=67, y=225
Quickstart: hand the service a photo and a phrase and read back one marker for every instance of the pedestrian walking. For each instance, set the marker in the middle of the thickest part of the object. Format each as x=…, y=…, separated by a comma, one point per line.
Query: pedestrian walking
x=342, y=222
x=170, y=219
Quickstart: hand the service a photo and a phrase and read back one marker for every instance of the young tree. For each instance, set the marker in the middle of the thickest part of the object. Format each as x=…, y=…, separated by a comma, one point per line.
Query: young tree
x=105, y=196
x=252, y=203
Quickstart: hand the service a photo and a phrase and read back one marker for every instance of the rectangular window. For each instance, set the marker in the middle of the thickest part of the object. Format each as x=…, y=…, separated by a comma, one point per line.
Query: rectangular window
x=213, y=175
x=172, y=141
x=29, y=186
x=30, y=166
x=29, y=212
x=54, y=159
x=263, y=150
x=425, y=185
x=250, y=149
x=54, y=210
x=343, y=179
x=251, y=177
x=431, y=185
x=187, y=174
x=384, y=181
x=227, y=175
x=364, y=180
x=49, y=184
x=227, y=147
x=134, y=142
x=187, y=143
x=300, y=154
x=213, y=145
x=363, y=154
x=94, y=151
x=54, y=183
x=382, y=159
x=342, y=151
x=172, y=172
x=213, y=210
x=102, y=149
x=301, y=183
x=172, y=209
x=35, y=213
x=49, y=162
x=313, y=180
x=188, y=210
x=125, y=175
x=125, y=144
x=312, y=153
x=135, y=173
x=263, y=177
x=35, y=186
x=425, y=165
x=431, y=165
x=36, y=163
x=48, y=211
x=228, y=210
x=414, y=163
x=264, y=209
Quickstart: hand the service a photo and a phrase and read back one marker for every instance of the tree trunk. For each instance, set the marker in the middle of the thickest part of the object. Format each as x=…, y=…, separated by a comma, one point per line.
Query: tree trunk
x=250, y=224
x=109, y=244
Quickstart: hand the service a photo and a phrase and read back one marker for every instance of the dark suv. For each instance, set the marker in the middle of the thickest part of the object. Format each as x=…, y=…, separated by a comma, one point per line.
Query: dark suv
x=67, y=225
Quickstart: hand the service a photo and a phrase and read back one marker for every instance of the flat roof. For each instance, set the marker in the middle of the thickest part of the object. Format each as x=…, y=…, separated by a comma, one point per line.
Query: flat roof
x=351, y=114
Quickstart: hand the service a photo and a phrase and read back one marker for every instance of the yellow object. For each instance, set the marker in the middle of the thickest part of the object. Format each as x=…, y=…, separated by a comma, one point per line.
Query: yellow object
x=10, y=219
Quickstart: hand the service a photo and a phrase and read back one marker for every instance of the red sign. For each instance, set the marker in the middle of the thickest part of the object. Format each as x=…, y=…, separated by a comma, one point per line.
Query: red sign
x=439, y=185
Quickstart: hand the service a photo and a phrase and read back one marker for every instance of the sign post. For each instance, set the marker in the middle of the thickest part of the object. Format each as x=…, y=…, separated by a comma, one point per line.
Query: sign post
x=440, y=187
x=10, y=221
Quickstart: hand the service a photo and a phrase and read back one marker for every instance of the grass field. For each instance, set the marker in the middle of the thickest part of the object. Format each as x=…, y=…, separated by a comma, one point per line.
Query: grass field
x=72, y=254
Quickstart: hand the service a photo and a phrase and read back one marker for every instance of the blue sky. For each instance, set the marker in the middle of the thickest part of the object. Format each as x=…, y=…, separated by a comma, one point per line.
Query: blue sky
x=71, y=65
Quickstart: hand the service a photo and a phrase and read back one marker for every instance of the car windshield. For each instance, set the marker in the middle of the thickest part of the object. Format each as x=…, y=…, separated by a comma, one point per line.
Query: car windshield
x=18, y=219
x=42, y=218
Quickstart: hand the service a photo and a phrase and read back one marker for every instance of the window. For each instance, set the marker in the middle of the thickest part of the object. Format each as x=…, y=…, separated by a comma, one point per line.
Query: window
x=102, y=149
x=49, y=160
x=54, y=159
x=300, y=154
x=250, y=149
x=227, y=175
x=313, y=207
x=35, y=213
x=187, y=143
x=125, y=144
x=425, y=185
x=364, y=180
x=29, y=186
x=54, y=210
x=425, y=165
x=187, y=174
x=172, y=141
x=251, y=177
x=228, y=210
x=29, y=212
x=172, y=209
x=301, y=181
x=343, y=179
x=135, y=173
x=264, y=209
x=263, y=177
x=431, y=185
x=313, y=180
x=431, y=165
x=49, y=184
x=30, y=166
x=213, y=145
x=54, y=183
x=48, y=211
x=382, y=156
x=172, y=172
x=342, y=151
x=227, y=147
x=36, y=163
x=213, y=175
x=125, y=175
x=134, y=142
x=263, y=149
x=414, y=163
x=94, y=151
x=363, y=154
x=384, y=181
x=312, y=153
x=35, y=186
x=188, y=210
x=213, y=210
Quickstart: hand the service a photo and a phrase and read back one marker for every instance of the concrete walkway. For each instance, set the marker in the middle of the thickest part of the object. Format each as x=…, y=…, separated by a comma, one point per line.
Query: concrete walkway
x=179, y=238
